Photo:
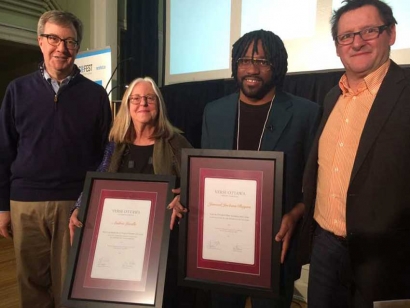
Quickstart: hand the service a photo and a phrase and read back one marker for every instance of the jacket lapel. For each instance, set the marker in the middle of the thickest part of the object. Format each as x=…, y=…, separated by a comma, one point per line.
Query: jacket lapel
x=279, y=117
x=227, y=127
x=116, y=157
x=386, y=99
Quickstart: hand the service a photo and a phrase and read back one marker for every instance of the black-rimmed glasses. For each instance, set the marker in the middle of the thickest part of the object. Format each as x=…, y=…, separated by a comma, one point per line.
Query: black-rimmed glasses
x=138, y=99
x=366, y=34
x=260, y=63
x=54, y=40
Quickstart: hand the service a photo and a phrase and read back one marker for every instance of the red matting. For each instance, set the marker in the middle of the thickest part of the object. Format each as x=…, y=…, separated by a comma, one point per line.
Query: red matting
x=142, y=292
x=263, y=171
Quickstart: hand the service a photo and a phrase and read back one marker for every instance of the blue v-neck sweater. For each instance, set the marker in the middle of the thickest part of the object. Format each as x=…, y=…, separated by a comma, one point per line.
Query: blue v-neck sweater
x=49, y=141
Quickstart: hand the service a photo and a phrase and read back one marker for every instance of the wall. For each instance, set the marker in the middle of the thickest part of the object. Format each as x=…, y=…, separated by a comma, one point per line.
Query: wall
x=18, y=27
x=81, y=9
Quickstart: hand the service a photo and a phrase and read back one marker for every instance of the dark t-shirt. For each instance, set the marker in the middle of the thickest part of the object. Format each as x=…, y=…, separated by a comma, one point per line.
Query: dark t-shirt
x=252, y=119
x=137, y=159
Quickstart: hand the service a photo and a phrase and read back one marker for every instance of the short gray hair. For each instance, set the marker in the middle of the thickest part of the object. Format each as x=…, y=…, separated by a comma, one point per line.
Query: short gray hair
x=61, y=18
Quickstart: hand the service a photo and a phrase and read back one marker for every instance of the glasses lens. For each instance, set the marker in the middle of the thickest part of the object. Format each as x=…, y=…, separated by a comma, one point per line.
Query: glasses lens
x=261, y=62
x=53, y=40
x=71, y=44
x=135, y=100
x=151, y=98
x=244, y=62
x=368, y=34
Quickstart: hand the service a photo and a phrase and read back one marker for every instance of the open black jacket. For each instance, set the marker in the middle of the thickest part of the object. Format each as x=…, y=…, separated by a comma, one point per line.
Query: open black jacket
x=378, y=196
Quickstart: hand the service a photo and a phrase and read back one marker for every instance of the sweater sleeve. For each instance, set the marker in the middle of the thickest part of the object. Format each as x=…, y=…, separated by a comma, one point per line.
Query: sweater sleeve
x=9, y=139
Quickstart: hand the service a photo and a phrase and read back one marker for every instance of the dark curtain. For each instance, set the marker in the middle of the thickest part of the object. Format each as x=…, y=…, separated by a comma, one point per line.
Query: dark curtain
x=140, y=41
x=186, y=101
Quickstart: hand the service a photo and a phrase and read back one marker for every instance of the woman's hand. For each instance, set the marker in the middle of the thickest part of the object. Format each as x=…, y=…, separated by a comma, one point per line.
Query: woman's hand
x=74, y=223
x=177, y=208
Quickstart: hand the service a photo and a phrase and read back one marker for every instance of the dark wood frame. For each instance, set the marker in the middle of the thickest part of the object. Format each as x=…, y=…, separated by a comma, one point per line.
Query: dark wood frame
x=195, y=159
x=157, y=261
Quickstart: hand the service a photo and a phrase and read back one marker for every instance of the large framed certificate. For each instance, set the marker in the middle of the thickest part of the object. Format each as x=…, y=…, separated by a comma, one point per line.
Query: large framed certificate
x=119, y=257
x=227, y=241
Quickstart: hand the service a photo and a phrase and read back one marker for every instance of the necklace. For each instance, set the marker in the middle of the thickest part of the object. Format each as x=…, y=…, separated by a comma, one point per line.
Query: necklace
x=264, y=125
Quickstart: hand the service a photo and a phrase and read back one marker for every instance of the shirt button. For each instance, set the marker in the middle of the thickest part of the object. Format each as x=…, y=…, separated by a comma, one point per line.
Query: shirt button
x=336, y=169
x=341, y=144
x=347, y=120
x=354, y=98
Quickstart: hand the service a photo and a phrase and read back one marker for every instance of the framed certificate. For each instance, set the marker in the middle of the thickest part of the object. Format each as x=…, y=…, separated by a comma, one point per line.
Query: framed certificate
x=119, y=256
x=227, y=241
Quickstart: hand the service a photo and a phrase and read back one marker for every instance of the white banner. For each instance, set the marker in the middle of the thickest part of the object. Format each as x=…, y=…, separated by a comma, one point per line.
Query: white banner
x=96, y=65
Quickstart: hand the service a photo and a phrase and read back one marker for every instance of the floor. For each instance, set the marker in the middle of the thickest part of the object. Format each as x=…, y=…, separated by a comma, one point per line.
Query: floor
x=8, y=286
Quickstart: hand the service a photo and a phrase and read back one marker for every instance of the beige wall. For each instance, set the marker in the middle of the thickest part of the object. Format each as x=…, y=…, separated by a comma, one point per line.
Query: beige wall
x=81, y=9
x=98, y=16
x=18, y=26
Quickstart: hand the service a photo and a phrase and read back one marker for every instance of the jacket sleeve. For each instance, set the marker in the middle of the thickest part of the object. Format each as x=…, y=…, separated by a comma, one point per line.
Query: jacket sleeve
x=9, y=139
x=103, y=167
x=205, y=135
x=177, y=143
x=314, y=120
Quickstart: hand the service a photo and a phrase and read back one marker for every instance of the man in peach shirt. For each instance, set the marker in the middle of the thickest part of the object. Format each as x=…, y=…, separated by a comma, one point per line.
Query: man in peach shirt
x=357, y=178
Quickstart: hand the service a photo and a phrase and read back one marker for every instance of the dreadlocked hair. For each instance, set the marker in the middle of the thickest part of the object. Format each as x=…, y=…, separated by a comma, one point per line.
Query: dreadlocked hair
x=273, y=47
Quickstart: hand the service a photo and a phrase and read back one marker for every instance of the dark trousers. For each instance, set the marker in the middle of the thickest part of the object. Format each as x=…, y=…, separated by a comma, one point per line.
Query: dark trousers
x=176, y=296
x=224, y=300
x=221, y=300
x=331, y=283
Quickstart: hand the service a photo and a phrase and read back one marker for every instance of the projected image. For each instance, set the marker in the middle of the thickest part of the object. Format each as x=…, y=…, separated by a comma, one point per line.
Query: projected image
x=200, y=35
x=401, y=11
x=289, y=19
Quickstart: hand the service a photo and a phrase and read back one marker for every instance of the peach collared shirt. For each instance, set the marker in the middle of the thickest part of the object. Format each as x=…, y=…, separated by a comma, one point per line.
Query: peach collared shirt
x=338, y=147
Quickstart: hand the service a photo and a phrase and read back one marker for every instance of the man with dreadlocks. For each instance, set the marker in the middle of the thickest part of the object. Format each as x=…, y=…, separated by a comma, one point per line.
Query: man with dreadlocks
x=261, y=117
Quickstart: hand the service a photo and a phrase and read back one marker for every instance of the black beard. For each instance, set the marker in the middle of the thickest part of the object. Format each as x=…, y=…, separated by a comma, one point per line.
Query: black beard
x=257, y=93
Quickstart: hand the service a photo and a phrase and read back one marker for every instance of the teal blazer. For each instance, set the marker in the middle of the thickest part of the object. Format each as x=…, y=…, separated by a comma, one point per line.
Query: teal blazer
x=290, y=128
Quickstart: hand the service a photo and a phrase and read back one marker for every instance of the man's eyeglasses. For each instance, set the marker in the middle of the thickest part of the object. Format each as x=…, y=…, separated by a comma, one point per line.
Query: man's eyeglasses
x=260, y=63
x=138, y=99
x=366, y=35
x=54, y=40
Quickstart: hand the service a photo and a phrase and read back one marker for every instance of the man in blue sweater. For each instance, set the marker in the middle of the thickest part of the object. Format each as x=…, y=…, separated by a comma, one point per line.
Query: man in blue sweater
x=54, y=125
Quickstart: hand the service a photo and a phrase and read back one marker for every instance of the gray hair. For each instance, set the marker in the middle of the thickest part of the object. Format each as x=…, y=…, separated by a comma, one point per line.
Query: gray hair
x=61, y=18
x=123, y=130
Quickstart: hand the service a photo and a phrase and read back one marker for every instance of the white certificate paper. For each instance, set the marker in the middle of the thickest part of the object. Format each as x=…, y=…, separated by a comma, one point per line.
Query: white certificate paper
x=229, y=220
x=122, y=237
